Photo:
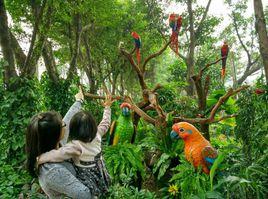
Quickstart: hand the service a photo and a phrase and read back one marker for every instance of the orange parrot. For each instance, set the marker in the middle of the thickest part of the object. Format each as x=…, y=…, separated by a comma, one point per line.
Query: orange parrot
x=197, y=149
x=224, y=54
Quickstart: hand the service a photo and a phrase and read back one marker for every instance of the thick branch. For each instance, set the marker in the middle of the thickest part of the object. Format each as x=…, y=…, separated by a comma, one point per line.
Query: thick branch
x=248, y=73
x=19, y=54
x=50, y=62
x=78, y=32
x=5, y=43
x=140, y=112
x=38, y=17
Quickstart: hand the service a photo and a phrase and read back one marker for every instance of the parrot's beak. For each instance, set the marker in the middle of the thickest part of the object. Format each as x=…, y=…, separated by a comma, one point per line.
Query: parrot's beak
x=125, y=111
x=174, y=135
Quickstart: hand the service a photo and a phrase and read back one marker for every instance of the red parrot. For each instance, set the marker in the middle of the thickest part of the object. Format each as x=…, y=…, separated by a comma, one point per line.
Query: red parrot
x=197, y=149
x=137, y=41
x=259, y=91
x=224, y=54
x=175, y=26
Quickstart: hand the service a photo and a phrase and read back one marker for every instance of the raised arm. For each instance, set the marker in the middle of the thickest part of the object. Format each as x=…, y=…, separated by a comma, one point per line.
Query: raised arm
x=66, y=152
x=75, y=108
x=105, y=122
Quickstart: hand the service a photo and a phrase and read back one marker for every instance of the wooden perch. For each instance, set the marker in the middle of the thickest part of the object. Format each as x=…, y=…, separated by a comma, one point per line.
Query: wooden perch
x=140, y=112
x=211, y=118
x=197, y=77
x=223, y=99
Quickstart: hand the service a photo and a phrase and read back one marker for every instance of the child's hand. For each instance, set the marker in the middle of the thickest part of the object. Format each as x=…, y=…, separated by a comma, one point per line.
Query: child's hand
x=108, y=101
x=79, y=95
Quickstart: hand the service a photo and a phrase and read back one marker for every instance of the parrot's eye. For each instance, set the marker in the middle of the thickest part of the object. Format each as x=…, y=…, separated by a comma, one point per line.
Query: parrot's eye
x=181, y=129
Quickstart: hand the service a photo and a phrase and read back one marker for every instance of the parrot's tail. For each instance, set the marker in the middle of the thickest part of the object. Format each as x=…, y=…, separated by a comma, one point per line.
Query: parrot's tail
x=138, y=55
x=174, y=41
x=223, y=73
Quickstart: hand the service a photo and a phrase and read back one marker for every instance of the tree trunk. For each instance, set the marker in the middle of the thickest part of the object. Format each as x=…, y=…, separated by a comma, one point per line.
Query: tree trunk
x=50, y=62
x=190, y=73
x=5, y=42
x=262, y=34
x=78, y=29
x=205, y=131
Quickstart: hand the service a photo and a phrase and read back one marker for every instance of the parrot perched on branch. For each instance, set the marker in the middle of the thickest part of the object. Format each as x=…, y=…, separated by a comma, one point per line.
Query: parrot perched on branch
x=137, y=41
x=122, y=129
x=175, y=24
x=224, y=54
x=197, y=149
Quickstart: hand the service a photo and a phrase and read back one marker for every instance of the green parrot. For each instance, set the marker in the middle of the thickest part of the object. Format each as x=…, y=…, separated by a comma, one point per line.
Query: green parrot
x=122, y=129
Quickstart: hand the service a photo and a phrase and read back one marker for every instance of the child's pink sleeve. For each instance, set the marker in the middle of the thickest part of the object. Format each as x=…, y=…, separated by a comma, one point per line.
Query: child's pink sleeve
x=68, y=151
x=105, y=122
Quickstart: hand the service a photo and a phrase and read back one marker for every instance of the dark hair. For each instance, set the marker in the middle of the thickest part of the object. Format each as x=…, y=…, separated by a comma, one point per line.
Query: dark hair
x=83, y=127
x=43, y=134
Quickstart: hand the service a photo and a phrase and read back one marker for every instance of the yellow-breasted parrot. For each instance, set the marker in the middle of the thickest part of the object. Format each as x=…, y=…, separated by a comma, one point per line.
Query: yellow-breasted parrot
x=122, y=129
x=197, y=149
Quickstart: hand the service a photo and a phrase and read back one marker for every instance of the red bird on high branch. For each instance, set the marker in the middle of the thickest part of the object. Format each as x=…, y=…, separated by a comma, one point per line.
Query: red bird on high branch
x=224, y=54
x=175, y=24
x=137, y=41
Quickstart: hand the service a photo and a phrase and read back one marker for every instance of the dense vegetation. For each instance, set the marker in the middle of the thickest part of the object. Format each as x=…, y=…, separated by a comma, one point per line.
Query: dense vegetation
x=89, y=43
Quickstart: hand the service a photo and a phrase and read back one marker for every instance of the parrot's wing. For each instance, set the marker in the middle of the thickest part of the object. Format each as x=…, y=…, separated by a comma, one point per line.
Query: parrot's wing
x=111, y=133
x=209, y=155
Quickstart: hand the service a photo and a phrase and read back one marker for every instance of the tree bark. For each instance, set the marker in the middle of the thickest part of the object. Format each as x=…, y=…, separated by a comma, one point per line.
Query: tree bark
x=262, y=34
x=50, y=62
x=78, y=29
x=18, y=52
x=35, y=49
x=190, y=56
x=5, y=42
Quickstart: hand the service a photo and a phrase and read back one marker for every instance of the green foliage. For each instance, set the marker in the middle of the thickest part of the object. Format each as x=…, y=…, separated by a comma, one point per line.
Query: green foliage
x=118, y=191
x=16, y=108
x=124, y=160
x=252, y=123
x=214, y=167
x=192, y=183
x=57, y=96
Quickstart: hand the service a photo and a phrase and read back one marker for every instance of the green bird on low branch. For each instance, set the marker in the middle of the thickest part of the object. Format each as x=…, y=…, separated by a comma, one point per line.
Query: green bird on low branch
x=122, y=130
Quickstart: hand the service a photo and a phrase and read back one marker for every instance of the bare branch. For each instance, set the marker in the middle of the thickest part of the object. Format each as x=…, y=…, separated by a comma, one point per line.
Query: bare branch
x=240, y=39
x=155, y=55
x=203, y=17
x=224, y=98
x=223, y=118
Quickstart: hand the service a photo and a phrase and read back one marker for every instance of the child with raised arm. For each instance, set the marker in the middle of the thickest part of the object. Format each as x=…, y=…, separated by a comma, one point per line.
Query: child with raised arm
x=84, y=149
